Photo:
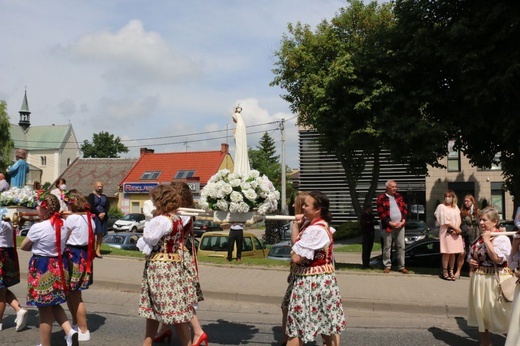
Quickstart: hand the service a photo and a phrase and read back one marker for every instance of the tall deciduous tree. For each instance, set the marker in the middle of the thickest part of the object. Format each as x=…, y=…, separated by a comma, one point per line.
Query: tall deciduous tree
x=6, y=144
x=103, y=144
x=457, y=62
x=337, y=82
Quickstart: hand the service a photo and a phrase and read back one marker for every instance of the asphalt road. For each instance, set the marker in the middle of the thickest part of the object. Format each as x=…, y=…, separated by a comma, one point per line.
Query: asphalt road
x=113, y=320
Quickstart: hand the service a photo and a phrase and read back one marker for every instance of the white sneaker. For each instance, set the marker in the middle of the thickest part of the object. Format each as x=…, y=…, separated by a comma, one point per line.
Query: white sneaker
x=72, y=338
x=0, y=327
x=83, y=336
x=21, y=319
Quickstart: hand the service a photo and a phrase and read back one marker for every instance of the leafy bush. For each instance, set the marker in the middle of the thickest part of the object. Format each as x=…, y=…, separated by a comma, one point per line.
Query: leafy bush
x=347, y=230
x=114, y=211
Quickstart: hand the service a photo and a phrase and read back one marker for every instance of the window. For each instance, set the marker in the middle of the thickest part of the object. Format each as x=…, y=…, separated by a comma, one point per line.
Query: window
x=150, y=175
x=498, y=198
x=182, y=174
x=453, y=158
x=68, y=161
x=43, y=160
x=493, y=166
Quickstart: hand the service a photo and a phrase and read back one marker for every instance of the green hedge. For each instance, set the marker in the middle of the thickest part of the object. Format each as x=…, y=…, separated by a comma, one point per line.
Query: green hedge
x=347, y=230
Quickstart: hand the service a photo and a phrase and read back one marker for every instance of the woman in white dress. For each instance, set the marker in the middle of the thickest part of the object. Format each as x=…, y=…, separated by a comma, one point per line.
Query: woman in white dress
x=513, y=333
x=487, y=255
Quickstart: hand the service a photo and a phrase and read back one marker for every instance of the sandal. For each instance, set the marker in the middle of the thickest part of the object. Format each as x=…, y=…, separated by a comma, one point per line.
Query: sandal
x=452, y=276
x=445, y=275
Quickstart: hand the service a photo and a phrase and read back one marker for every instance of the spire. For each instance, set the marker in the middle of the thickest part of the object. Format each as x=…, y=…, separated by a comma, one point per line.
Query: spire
x=25, y=114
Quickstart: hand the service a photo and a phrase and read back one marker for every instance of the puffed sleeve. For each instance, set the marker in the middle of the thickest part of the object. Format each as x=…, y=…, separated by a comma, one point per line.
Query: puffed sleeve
x=313, y=238
x=502, y=246
x=153, y=232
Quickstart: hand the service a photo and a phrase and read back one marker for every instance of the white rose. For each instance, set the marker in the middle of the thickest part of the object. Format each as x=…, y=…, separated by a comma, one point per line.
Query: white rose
x=234, y=207
x=227, y=188
x=235, y=182
x=236, y=197
x=254, y=173
x=250, y=194
x=243, y=207
x=222, y=205
x=245, y=185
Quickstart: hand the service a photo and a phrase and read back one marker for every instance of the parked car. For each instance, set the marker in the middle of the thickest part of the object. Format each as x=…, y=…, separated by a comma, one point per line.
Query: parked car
x=202, y=226
x=110, y=222
x=195, y=246
x=424, y=253
x=130, y=223
x=280, y=251
x=215, y=244
x=415, y=230
x=122, y=241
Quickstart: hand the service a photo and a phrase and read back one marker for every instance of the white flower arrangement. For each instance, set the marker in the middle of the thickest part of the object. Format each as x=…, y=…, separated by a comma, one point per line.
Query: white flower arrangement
x=15, y=196
x=236, y=193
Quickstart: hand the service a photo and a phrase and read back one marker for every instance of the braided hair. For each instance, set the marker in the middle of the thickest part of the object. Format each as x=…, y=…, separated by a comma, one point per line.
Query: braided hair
x=51, y=203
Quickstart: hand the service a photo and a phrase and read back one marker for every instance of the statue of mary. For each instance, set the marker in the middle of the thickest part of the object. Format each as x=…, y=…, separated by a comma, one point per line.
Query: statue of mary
x=241, y=155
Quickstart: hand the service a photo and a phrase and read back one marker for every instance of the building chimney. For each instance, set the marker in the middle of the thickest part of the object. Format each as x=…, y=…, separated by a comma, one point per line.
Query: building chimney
x=224, y=148
x=143, y=151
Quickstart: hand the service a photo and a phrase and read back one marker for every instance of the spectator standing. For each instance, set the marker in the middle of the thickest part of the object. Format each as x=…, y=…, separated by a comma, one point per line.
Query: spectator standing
x=4, y=185
x=450, y=235
x=513, y=333
x=368, y=231
x=236, y=236
x=99, y=206
x=60, y=191
x=392, y=212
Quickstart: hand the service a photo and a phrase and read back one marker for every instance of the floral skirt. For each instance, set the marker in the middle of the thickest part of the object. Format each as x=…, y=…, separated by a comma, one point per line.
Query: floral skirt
x=45, y=286
x=9, y=268
x=167, y=292
x=191, y=267
x=314, y=307
x=79, y=279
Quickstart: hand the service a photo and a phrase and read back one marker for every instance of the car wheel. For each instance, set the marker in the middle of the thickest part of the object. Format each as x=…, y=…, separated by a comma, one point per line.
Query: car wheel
x=134, y=229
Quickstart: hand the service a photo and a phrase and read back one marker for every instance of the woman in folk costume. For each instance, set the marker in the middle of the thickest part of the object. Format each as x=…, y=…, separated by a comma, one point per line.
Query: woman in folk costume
x=310, y=314
x=199, y=336
x=48, y=270
x=488, y=258
x=80, y=254
x=9, y=272
x=168, y=290
x=513, y=332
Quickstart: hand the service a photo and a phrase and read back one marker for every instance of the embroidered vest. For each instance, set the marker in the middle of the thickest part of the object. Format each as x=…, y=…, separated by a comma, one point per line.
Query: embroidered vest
x=322, y=263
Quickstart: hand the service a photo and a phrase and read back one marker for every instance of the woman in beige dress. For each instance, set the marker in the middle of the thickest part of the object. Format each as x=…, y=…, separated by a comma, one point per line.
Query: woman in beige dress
x=448, y=218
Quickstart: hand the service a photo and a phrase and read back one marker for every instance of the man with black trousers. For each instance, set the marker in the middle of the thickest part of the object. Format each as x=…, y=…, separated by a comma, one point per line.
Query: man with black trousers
x=236, y=234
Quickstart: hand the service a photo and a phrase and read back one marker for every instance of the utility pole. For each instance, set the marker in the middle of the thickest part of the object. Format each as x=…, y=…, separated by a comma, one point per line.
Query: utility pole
x=284, y=173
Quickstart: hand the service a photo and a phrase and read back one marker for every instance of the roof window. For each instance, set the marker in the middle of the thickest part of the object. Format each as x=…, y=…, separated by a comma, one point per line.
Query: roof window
x=184, y=173
x=150, y=175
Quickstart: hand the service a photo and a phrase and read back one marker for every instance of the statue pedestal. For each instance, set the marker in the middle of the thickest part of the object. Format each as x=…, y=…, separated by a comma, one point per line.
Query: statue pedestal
x=228, y=217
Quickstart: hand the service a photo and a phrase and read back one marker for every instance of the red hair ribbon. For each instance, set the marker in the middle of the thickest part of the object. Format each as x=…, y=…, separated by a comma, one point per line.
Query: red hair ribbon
x=90, y=247
x=57, y=223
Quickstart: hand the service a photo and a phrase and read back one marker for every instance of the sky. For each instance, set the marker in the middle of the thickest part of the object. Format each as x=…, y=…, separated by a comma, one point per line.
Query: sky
x=166, y=75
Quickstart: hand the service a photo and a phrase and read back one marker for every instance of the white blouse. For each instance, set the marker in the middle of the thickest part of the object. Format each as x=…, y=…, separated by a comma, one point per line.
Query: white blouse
x=6, y=234
x=158, y=227
x=312, y=238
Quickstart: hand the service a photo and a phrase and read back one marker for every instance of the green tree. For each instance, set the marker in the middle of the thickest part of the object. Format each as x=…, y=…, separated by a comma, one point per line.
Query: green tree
x=6, y=143
x=456, y=63
x=103, y=145
x=337, y=82
x=265, y=160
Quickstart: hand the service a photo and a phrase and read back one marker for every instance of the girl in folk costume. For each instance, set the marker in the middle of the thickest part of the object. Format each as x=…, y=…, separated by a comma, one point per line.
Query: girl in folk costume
x=168, y=290
x=488, y=260
x=313, y=270
x=80, y=254
x=9, y=272
x=199, y=336
x=513, y=332
x=48, y=271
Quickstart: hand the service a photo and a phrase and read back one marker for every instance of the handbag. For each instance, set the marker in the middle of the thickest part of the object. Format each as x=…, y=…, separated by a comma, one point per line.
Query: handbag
x=506, y=287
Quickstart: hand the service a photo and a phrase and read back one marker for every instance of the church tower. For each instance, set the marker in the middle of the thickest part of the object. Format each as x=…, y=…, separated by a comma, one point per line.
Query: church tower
x=25, y=114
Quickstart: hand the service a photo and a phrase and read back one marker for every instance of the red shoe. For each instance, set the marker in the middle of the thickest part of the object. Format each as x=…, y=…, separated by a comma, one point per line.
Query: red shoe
x=404, y=271
x=203, y=339
x=166, y=335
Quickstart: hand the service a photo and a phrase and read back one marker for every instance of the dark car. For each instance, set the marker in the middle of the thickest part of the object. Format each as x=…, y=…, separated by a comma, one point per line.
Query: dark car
x=202, y=226
x=123, y=241
x=110, y=222
x=280, y=251
x=415, y=230
x=422, y=253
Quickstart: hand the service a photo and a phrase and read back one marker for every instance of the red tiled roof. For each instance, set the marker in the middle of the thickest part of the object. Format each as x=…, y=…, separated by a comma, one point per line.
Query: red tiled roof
x=205, y=164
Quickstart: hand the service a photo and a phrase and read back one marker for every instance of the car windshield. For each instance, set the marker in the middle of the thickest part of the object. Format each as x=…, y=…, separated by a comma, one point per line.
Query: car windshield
x=130, y=217
x=414, y=225
x=112, y=239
